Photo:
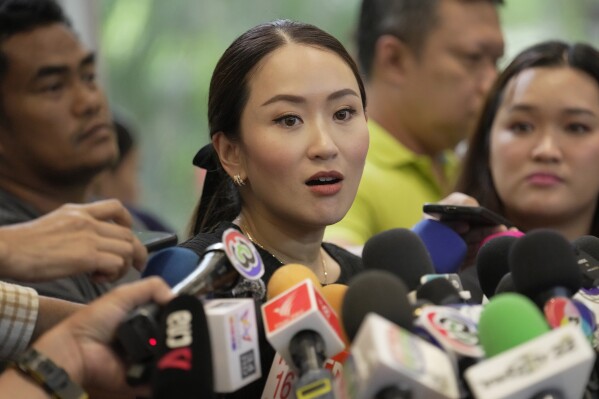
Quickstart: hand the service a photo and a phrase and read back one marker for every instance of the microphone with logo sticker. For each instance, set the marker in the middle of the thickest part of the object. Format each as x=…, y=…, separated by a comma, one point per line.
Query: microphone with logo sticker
x=524, y=358
x=386, y=360
x=222, y=267
x=184, y=358
x=443, y=318
x=303, y=328
x=544, y=268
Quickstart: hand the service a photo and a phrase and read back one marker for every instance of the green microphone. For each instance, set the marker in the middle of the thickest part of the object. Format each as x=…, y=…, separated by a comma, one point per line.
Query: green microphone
x=525, y=358
x=507, y=321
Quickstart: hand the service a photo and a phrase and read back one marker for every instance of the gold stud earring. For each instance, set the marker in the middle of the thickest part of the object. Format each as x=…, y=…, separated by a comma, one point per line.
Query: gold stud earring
x=238, y=180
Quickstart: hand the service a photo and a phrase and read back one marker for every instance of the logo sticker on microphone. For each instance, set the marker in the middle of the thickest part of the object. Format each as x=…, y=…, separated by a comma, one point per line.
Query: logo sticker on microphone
x=243, y=255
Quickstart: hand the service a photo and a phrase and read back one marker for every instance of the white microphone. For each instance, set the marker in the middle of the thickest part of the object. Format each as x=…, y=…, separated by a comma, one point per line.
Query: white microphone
x=527, y=361
x=235, y=348
x=385, y=356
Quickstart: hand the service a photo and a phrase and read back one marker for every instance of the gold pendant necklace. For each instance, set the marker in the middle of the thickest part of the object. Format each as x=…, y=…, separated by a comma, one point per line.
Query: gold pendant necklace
x=278, y=257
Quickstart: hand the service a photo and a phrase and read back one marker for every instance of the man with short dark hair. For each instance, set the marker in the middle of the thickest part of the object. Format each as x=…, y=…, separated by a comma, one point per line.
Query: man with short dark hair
x=56, y=132
x=428, y=66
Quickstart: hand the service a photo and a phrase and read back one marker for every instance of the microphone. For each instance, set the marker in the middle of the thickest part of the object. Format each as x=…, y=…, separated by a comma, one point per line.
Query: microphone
x=222, y=266
x=386, y=360
x=184, y=366
x=379, y=291
x=235, y=348
x=303, y=328
x=400, y=252
x=526, y=361
x=492, y=263
x=287, y=276
x=506, y=284
x=439, y=291
x=446, y=248
x=543, y=266
x=587, y=253
x=545, y=269
x=172, y=264
x=335, y=295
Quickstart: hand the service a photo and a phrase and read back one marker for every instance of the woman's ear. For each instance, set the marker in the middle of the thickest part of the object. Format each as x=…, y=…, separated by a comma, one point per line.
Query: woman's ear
x=229, y=153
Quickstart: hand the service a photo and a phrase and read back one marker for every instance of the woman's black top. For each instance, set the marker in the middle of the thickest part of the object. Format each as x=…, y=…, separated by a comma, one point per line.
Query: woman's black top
x=349, y=263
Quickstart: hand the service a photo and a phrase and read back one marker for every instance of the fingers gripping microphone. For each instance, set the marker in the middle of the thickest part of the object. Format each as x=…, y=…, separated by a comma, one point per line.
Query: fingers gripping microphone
x=184, y=367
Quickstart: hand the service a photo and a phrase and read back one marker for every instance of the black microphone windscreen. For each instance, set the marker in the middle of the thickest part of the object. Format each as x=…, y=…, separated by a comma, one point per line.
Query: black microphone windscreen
x=401, y=252
x=492, y=263
x=184, y=361
x=439, y=291
x=375, y=291
x=506, y=284
x=541, y=261
x=588, y=244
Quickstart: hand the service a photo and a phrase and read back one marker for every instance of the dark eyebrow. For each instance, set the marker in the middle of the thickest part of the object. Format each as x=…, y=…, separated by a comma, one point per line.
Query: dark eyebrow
x=579, y=111
x=567, y=111
x=50, y=70
x=298, y=99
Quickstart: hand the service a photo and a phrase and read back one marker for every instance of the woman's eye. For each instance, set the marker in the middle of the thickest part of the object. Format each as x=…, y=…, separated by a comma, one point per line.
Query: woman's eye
x=52, y=87
x=344, y=114
x=521, y=127
x=288, y=120
x=577, y=128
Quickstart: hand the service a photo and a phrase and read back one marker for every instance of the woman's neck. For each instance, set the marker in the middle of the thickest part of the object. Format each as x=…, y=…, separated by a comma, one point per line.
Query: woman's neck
x=286, y=244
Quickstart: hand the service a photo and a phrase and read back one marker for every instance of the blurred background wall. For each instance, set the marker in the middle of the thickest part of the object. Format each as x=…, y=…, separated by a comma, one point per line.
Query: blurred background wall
x=156, y=58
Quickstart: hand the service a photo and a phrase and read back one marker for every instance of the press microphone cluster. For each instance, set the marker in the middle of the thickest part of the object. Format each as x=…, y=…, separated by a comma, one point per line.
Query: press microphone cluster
x=512, y=356
x=231, y=269
x=399, y=329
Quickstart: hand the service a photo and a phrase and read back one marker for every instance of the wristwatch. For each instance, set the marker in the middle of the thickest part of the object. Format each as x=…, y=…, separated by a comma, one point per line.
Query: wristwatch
x=45, y=372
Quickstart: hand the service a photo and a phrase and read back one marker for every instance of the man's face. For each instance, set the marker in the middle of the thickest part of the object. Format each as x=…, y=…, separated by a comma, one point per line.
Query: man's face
x=449, y=79
x=55, y=124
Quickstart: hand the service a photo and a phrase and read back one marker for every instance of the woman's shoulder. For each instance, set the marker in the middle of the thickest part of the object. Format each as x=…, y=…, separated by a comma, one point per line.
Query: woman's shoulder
x=201, y=241
x=349, y=263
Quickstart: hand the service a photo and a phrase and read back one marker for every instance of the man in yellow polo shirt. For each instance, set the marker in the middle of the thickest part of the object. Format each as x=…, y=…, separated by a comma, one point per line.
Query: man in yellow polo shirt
x=428, y=65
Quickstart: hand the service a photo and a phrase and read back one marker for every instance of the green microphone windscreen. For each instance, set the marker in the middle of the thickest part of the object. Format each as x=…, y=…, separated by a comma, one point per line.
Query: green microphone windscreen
x=509, y=320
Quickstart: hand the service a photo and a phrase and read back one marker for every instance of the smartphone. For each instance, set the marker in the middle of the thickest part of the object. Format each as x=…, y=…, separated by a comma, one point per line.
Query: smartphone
x=475, y=215
x=156, y=240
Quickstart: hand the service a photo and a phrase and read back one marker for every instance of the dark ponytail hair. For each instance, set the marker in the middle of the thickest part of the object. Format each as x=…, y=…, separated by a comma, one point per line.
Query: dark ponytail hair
x=229, y=93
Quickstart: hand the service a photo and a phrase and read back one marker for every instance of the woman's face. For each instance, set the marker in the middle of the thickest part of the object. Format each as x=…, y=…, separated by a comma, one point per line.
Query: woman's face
x=544, y=153
x=304, y=137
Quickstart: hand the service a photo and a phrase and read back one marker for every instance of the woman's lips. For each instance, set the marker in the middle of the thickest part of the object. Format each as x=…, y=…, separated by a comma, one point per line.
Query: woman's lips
x=544, y=179
x=325, y=183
